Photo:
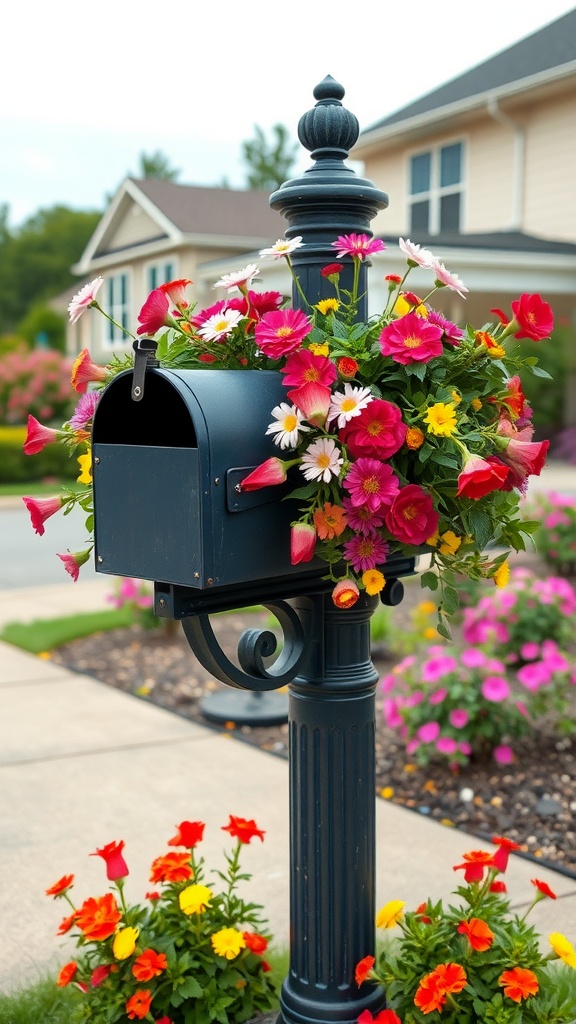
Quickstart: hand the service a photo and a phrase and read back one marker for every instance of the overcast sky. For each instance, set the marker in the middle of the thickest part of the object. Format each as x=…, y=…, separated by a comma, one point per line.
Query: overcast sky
x=85, y=88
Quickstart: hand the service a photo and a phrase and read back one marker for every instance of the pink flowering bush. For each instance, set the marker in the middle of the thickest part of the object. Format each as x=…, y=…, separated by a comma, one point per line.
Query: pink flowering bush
x=137, y=596
x=556, y=536
x=35, y=382
x=398, y=434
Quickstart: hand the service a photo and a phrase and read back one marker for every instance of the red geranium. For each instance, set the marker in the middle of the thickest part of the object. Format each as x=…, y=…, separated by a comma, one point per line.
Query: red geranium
x=243, y=829
x=412, y=517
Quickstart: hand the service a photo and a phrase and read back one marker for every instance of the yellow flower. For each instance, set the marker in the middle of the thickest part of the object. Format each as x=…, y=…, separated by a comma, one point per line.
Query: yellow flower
x=456, y=397
x=194, y=899
x=434, y=539
x=373, y=580
x=430, y=633
x=327, y=306
x=401, y=307
x=227, y=942
x=502, y=575
x=427, y=607
x=441, y=419
x=125, y=943
x=476, y=404
x=497, y=352
x=319, y=350
x=563, y=948
x=450, y=543
x=85, y=462
x=389, y=915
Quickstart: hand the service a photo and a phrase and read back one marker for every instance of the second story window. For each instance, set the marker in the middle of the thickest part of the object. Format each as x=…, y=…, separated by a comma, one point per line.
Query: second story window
x=118, y=306
x=159, y=273
x=435, y=191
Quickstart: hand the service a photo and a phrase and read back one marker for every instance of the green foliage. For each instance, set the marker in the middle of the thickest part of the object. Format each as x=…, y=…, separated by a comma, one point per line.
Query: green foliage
x=42, y=1003
x=557, y=359
x=46, y=634
x=157, y=165
x=53, y=461
x=43, y=326
x=269, y=163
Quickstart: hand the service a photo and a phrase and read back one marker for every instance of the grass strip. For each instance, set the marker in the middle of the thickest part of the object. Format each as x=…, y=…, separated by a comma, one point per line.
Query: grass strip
x=45, y=634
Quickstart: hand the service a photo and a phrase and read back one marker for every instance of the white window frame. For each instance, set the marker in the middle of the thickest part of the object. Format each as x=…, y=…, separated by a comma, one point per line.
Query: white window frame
x=436, y=192
x=158, y=270
x=120, y=309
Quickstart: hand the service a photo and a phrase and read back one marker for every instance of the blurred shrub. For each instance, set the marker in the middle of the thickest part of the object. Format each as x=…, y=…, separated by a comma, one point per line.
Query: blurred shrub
x=556, y=537
x=15, y=466
x=35, y=383
x=42, y=322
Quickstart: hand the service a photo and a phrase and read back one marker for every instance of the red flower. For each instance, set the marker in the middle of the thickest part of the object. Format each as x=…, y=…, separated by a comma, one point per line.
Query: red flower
x=66, y=924
x=172, y=867
x=479, y=935
x=480, y=477
x=255, y=943
x=61, y=886
x=347, y=368
x=544, y=888
x=176, y=293
x=99, y=974
x=363, y=969
x=421, y=913
x=281, y=331
x=66, y=974
x=345, y=593
x=378, y=431
x=38, y=436
x=84, y=371
x=189, y=833
x=139, y=1004
x=498, y=886
x=524, y=458
x=255, y=304
x=534, y=317
x=393, y=278
x=429, y=996
x=116, y=866
x=148, y=965
x=243, y=829
x=302, y=543
x=41, y=509
x=518, y=983
x=74, y=560
x=411, y=339
x=97, y=918
x=268, y=473
x=451, y=977
x=332, y=270
x=154, y=313
x=384, y=1017
x=474, y=864
x=412, y=517
x=505, y=846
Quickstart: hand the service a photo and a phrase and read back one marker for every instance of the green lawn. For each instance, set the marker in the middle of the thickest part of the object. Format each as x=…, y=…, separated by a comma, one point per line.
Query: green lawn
x=45, y=634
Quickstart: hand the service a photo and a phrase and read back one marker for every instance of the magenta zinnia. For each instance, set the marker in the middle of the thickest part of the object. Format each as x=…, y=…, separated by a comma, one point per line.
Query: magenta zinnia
x=371, y=483
x=281, y=331
x=411, y=339
x=365, y=551
x=357, y=246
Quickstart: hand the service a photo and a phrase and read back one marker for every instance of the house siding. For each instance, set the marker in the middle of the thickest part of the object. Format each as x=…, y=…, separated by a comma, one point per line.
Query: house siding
x=550, y=208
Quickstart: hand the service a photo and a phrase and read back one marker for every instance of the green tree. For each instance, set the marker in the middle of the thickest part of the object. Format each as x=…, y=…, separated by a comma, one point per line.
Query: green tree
x=43, y=326
x=157, y=165
x=269, y=163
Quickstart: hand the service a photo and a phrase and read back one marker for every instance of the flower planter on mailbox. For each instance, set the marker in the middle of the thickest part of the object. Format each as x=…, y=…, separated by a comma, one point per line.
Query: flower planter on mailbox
x=166, y=472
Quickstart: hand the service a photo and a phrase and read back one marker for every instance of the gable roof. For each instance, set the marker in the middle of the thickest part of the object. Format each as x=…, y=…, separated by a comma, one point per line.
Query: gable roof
x=538, y=56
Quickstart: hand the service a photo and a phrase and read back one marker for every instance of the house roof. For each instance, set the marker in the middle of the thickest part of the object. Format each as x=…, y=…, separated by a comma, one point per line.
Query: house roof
x=213, y=211
x=545, y=50
x=494, y=241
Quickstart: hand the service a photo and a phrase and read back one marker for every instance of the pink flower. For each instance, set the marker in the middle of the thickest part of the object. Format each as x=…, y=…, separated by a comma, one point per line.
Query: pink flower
x=495, y=688
x=438, y=696
x=392, y=716
x=446, y=745
x=371, y=483
x=416, y=255
x=198, y=319
x=345, y=593
x=534, y=676
x=529, y=651
x=38, y=436
x=281, y=331
x=503, y=754
x=365, y=552
x=116, y=866
x=84, y=299
x=437, y=667
x=361, y=518
x=378, y=431
x=357, y=246
x=448, y=280
x=428, y=732
x=412, y=517
x=450, y=331
x=268, y=473
x=525, y=458
x=304, y=367
x=176, y=293
x=471, y=657
x=302, y=543
x=84, y=411
x=41, y=509
x=154, y=313
x=411, y=339
x=480, y=477
x=313, y=401
x=84, y=371
x=74, y=560
x=534, y=317
x=459, y=717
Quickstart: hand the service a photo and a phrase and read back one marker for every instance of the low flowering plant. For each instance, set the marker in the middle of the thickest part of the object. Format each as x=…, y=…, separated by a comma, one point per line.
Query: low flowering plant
x=398, y=433
x=474, y=961
x=189, y=955
x=555, y=537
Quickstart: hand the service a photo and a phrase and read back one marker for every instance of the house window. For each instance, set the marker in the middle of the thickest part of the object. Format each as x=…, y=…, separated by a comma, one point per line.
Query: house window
x=159, y=273
x=436, y=189
x=118, y=307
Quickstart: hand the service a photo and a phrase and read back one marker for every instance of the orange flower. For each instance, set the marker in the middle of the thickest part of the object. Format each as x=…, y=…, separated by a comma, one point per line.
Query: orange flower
x=148, y=965
x=255, y=943
x=474, y=864
x=330, y=521
x=59, y=887
x=519, y=983
x=414, y=438
x=451, y=977
x=97, y=918
x=363, y=969
x=345, y=593
x=84, y=371
x=139, y=1004
x=479, y=935
x=243, y=829
x=421, y=913
x=429, y=996
x=66, y=924
x=544, y=888
x=66, y=974
x=347, y=367
x=172, y=867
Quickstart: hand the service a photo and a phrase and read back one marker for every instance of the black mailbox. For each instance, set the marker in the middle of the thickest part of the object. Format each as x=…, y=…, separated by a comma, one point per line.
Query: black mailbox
x=166, y=473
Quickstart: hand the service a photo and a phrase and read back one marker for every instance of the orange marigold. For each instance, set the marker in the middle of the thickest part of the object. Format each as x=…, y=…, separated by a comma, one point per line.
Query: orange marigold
x=172, y=867
x=451, y=977
x=138, y=1005
x=414, y=438
x=60, y=886
x=148, y=965
x=66, y=974
x=66, y=924
x=97, y=918
x=429, y=996
x=479, y=935
x=519, y=983
x=330, y=521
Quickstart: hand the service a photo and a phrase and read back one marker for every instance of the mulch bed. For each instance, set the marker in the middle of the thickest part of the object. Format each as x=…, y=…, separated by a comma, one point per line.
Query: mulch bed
x=532, y=801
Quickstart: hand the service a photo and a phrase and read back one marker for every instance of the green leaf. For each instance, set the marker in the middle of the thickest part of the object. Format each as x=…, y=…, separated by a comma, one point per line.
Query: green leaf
x=429, y=579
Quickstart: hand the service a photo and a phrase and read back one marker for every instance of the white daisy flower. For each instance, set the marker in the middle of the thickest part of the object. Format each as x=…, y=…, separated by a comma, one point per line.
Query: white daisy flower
x=282, y=247
x=242, y=278
x=322, y=460
x=220, y=325
x=423, y=257
x=346, y=404
x=288, y=426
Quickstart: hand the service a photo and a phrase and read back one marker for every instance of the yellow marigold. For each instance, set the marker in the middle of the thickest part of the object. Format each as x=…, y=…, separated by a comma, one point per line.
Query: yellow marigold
x=194, y=899
x=85, y=463
x=373, y=580
x=319, y=350
x=414, y=438
x=401, y=307
x=456, y=397
x=433, y=540
x=563, y=948
x=327, y=306
x=430, y=633
x=389, y=915
x=476, y=404
x=125, y=943
x=502, y=575
x=427, y=607
x=450, y=543
x=227, y=942
x=441, y=419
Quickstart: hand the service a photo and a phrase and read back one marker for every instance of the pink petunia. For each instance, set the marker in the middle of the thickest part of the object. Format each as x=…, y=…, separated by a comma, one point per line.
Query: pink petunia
x=281, y=331
x=503, y=754
x=411, y=339
x=176, y=293
x=154, y=313
x=495, y=688
x=534, y=675
x=429, y=732
x=371, y=483
x=437, y=667
x=459, y=718
x=41, y=509
x=378, y=431
x=38, y=436
x=471, y=657
x=446, y=745
x=438, y=696
x=74, y=560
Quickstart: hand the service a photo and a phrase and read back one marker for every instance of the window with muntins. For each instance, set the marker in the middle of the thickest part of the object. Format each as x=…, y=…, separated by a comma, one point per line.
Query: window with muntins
x=159, y=273
x=435, y=192
x=118, y=307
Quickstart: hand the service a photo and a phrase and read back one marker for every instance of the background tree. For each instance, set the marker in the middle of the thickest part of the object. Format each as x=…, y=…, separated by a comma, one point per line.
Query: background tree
x=157, y=165
x=269, y=163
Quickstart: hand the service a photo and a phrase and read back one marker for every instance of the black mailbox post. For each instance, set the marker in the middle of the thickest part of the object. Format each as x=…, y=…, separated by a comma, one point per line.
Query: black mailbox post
x=166, y=468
